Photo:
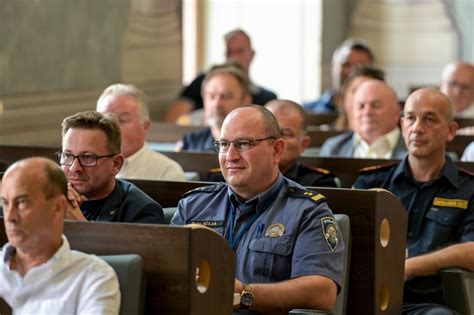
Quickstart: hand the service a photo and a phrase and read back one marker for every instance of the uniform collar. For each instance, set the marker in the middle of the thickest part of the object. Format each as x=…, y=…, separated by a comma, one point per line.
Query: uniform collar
x=449, y=171
x=261, y=200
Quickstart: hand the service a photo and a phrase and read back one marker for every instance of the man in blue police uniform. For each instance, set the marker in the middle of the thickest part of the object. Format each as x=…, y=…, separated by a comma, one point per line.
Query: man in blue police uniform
x=91, y=158
x=288, y=247
x=224, y=89
x=438, y=196
x=293, y=123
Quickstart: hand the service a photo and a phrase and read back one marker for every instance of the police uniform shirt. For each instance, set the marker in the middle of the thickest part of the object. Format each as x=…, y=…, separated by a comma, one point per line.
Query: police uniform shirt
x=311, y=177
x=294, y=233
x=440, y=213
x=201, y=140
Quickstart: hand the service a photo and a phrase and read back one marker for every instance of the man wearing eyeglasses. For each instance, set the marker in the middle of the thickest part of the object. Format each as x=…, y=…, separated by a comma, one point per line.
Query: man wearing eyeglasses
x=91, y=158
x=287, y=244
x=458, y=83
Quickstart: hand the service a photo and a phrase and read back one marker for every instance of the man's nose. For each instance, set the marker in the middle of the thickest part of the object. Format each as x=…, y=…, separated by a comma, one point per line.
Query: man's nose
x=76, y=165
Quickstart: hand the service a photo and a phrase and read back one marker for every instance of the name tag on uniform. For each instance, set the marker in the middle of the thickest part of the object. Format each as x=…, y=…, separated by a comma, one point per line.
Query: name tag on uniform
x=208, y=223
x=450, y=203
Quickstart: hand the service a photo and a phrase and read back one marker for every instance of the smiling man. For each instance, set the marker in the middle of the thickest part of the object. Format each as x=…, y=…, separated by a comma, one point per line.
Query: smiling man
x=267, y=217
x=91, y=159
x=438, y=196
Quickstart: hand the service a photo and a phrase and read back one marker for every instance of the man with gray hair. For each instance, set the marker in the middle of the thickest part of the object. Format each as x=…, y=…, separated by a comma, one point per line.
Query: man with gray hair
x=128, y=103
x=458, y=83
x=350, y=53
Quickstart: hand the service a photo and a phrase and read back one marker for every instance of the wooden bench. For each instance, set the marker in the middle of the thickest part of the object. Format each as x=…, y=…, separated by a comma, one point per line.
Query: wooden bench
x=346, y=169
x=170, y=257
x=378, y=251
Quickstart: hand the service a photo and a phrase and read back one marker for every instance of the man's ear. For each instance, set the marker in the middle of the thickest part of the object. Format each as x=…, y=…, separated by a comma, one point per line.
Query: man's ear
x=118, y=163
x=146, y=125
x=279, y=147
x=305, y=143
x=452, y=129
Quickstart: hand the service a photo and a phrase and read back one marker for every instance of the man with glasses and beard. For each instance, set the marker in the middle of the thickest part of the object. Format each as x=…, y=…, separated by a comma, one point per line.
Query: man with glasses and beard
x=267, y=218
x=91, y=158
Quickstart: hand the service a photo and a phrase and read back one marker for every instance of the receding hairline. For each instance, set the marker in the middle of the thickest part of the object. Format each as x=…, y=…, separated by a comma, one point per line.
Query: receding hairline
x=451, y=67
x=287, y=107
x=378, y=83
x=121, y=89
x=433, y=95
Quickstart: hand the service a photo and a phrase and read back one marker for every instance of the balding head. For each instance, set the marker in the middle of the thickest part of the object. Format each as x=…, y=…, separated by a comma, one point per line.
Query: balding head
x=34, y=203
x=428, y=124
x=458, y=83
x=376, y=110
x=292, y=120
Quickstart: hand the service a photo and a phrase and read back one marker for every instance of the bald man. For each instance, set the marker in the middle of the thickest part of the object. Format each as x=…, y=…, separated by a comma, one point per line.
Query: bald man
x=438, y=197
x=376, y=114
x=458, y=83
x=39, y=273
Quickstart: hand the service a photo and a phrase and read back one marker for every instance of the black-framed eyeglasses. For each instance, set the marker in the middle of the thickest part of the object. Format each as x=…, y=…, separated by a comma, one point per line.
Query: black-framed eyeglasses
x=85, y=159
x=222, y=146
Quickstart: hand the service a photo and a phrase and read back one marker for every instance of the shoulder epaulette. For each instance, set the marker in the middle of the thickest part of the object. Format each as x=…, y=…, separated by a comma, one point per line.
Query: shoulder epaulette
x=319, y=170
x=205, y=189
x=303, y=193
x=466, y=171
x=215, y=170
x=374, y=168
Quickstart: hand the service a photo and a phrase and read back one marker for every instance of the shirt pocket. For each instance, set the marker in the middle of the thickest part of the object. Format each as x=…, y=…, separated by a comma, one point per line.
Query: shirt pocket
x=441, y=226
x=270, y=258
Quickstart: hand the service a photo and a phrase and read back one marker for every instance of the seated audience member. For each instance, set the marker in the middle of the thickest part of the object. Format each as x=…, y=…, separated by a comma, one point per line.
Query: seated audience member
x=458, y=83
x=358, y=75
x=376, y=114
x=350, y=53
x=291, y=118
x=39, y=273
x=266, y=216
x=239, y=49
x=224, y=88
x=91, y=158
x=438, y=196
x=468, y=155
x=129, y=105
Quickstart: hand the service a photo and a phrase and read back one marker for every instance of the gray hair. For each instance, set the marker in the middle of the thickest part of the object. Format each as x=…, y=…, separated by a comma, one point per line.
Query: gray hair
x=127, y=89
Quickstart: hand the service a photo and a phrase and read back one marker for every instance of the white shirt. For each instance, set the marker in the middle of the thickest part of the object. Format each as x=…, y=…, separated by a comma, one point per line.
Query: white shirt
x=381, y=148
x=151, y=165
x=468, y=155
x=70, y=282
x=467, y=113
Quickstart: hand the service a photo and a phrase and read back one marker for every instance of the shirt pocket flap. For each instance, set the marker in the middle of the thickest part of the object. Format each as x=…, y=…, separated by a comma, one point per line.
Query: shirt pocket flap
x=445, y=216
x=275, y=245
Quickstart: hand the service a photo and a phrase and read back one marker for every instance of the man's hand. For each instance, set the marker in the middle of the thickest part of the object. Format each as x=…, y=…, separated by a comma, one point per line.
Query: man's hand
x=73, y=212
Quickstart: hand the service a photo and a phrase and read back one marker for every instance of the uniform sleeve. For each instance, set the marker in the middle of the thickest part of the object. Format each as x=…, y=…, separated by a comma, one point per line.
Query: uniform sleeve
x=466, y=230
x=362, y=182
x=179, y=217
x=101, y=292
x=318, y=251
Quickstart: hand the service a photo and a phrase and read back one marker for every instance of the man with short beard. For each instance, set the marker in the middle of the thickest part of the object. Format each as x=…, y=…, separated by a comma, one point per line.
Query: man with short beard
x=224, y=89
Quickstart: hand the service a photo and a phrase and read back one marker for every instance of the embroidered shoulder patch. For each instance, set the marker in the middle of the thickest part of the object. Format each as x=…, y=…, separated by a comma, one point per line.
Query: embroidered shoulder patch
x=330, y=232
x=205, y=189
x=301, y=193
x=375, y=168
x=450, y=203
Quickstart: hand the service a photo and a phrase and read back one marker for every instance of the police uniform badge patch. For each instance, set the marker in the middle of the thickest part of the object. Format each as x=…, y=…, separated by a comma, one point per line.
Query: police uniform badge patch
x=275, y=230
x=330, y=232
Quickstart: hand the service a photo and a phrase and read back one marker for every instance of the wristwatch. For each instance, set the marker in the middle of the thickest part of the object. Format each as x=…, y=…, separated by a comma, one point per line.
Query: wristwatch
x=246, y=298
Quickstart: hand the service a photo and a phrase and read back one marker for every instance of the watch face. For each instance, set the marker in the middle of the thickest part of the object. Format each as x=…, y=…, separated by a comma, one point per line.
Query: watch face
x=246, y=298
